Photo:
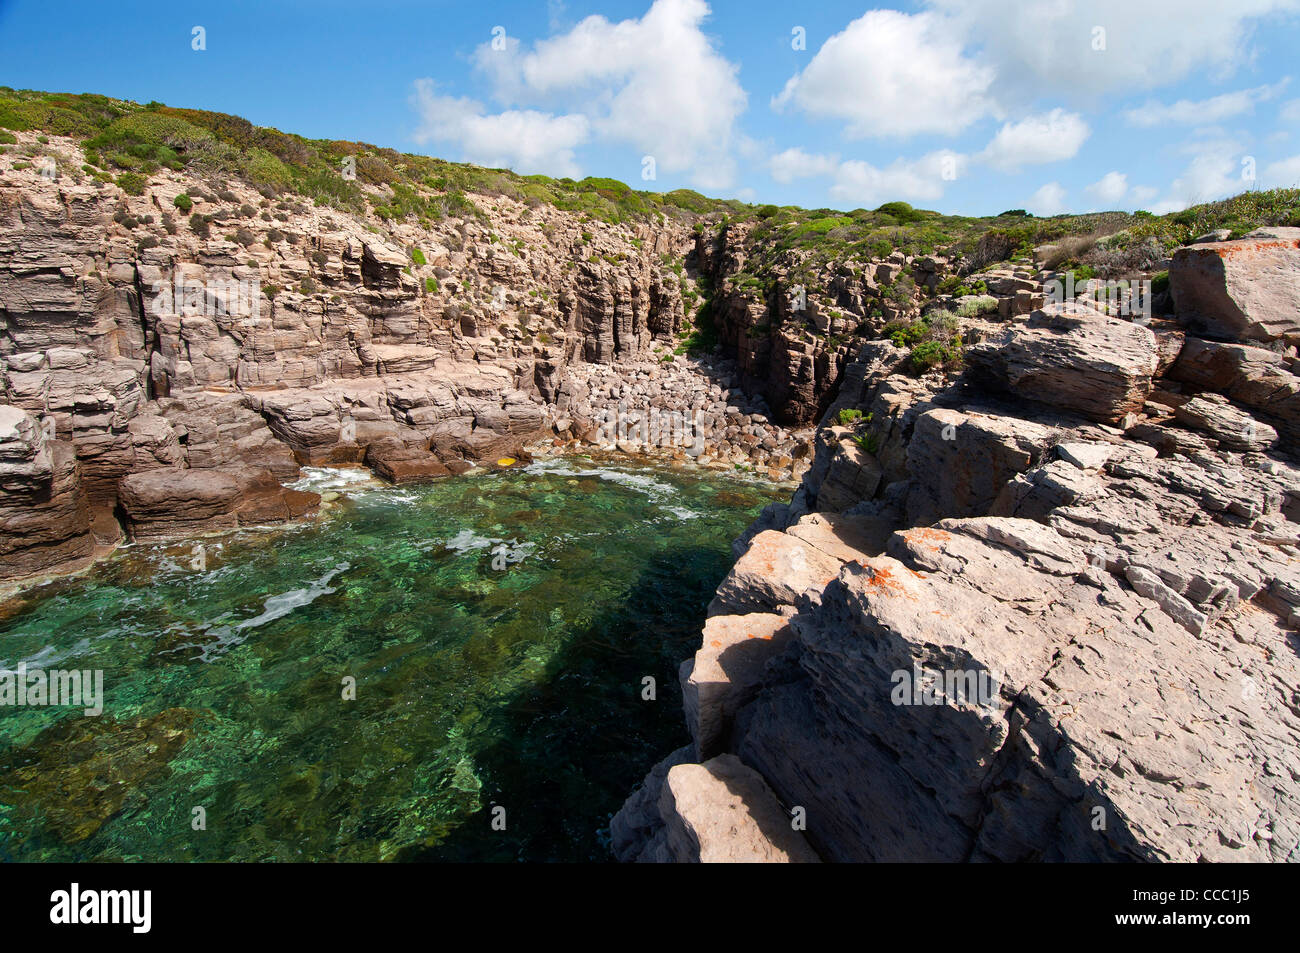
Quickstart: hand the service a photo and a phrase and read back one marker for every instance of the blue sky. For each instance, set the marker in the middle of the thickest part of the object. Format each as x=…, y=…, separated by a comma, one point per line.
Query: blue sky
x=970, y=106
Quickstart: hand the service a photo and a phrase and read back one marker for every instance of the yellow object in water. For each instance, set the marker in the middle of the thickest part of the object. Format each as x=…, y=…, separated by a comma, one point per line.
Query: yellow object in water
x=506, y=462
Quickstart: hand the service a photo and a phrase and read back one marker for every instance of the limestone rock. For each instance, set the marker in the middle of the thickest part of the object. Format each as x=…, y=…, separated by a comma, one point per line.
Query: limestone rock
x=1247, y=289
x=1100, y=367
x=1229, y=425
x=44, y=517
x=726, y=672
x=179, y=502
x=775, y=571
x=723, y=812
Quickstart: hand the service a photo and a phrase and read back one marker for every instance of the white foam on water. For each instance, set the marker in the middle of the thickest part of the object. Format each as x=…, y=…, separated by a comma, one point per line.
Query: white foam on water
x=682, y=513
x=467, y=540
x=273, y=607
x=47, y=657
x=320, y=479
x=656, y=490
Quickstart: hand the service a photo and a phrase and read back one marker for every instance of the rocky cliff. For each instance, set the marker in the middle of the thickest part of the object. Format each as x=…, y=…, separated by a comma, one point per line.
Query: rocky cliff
x=1044, y=608
x=266, y=333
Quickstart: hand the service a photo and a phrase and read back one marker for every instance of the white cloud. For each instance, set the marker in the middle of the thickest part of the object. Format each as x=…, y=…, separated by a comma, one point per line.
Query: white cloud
x=655, y=83
x=1290, y=111
x=892, y=74
x=1214, y=172
x=524, y=140
x=1048, y=200
x=1216, y=108
x=1283, y=174
x=1051, y=47
x=1109, y=189
x=796, y=164
x=860, y=183
x=1144, y=193
x=1047, y=138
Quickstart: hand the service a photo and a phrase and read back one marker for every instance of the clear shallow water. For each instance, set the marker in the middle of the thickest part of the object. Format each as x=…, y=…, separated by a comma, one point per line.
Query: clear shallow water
x=476, y=687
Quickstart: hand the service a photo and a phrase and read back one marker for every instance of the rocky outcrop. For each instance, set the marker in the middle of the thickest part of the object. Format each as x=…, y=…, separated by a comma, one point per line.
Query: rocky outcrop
x=1061, y=629
x=1097, y=366
x=278, y=334
x=171, y=503
x=1248, y=289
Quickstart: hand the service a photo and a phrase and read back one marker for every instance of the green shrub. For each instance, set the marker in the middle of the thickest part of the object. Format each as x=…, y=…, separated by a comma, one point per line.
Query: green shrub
x=931, y=354
x=131, y=183
x=868, y=442
x=901, y=211
x=431, y=285
x=904, y=333
x=849, y=415
x=982, y=304
x=417, y=256
x=184, y=203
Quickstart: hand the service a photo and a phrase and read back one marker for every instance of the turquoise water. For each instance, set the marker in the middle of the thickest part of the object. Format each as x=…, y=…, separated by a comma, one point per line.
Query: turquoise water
x=477, y=687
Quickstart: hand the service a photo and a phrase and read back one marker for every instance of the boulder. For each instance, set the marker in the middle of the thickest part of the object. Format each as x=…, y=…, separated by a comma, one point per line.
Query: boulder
x=959, y=462
x=724, y=812
x=726, y=672
x=399, y=462
x=1248, y=289
x=1231, y=426
x=1096, y=366
x=775, y=571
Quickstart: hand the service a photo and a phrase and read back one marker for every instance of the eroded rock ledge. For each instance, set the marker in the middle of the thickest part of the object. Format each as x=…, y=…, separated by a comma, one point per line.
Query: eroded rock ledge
x=1105, y=532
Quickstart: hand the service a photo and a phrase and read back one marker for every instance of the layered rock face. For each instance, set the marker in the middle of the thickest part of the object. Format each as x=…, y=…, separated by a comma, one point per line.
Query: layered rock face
x=1045, y=610
x=281, y=335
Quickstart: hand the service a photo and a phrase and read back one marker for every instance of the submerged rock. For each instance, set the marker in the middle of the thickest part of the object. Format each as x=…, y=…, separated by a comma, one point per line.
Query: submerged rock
x=77, y=774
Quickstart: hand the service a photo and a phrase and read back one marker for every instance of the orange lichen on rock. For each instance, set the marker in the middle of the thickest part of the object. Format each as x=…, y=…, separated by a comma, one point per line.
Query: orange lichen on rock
x=881, y=579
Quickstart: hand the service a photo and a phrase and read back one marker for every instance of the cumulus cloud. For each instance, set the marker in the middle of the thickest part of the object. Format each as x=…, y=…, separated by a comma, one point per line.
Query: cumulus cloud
x=1047, y=138
x=860, y=183
x=1110, y=189
x=1283, y=174
x=1048, y=200
x=524, y=140
x=1214, y=172
x=892, y=74
x=1200, y=112
x=939, y=70
x=654, y=83
x=1085, y=48
x=793, y=164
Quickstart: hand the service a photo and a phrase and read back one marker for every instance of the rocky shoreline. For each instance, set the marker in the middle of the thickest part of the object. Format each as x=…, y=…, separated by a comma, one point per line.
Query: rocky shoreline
x=1101, y=520
x=1035, y=596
